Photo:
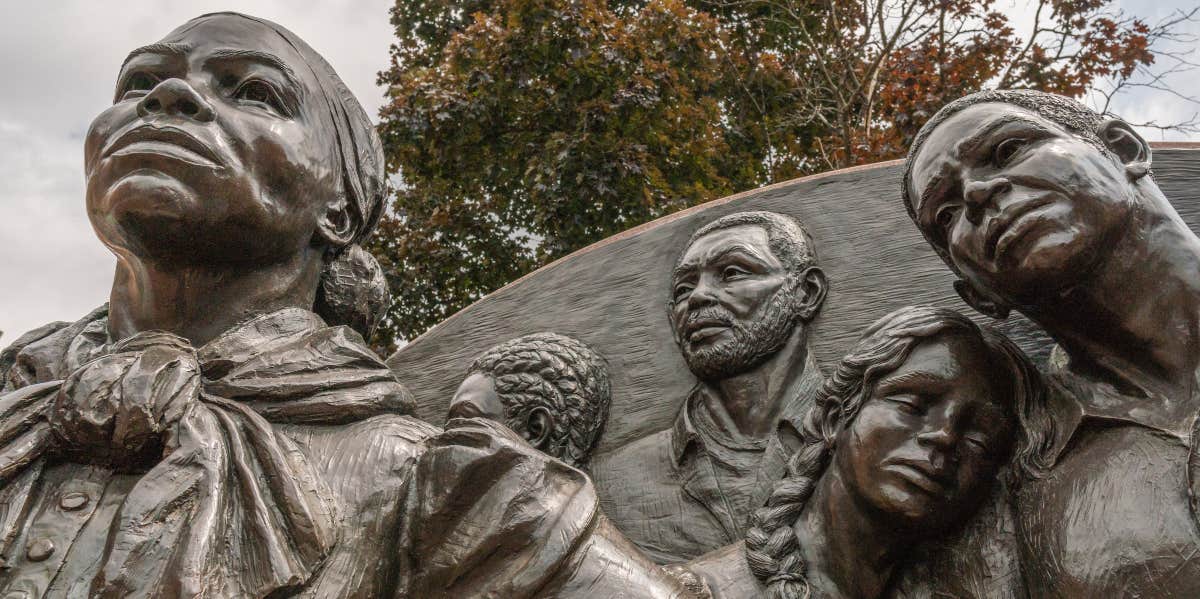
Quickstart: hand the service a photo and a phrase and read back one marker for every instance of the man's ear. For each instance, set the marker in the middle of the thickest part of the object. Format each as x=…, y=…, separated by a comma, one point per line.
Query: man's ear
x=336, y=226
x=671, y=321
x=538, y=426
x=1119, y=137
x=984, y=303
x=811, y=290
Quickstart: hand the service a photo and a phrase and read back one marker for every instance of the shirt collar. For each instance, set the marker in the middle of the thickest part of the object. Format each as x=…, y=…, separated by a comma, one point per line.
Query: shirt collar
x=690, y=427
x=1074, y=398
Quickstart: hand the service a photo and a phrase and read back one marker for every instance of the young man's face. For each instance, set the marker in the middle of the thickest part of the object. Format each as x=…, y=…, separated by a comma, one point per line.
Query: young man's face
x=1022, y=206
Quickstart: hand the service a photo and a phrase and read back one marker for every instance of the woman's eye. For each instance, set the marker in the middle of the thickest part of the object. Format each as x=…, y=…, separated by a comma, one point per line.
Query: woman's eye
x=139, y=84
x=976, y=443
x=1006, y=149
x=258, y=92
x=909, y=404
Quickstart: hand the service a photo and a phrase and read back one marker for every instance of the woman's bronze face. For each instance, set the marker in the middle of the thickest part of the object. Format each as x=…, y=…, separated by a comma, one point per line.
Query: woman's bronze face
x=214, y=152
x=930, y=438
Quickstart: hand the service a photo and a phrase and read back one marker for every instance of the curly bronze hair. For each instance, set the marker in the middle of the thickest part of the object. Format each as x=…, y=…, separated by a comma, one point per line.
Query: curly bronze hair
x=560, y=374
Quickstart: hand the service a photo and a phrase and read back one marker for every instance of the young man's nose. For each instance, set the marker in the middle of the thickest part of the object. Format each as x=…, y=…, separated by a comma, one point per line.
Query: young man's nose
x=979, y=195
x=175, y=97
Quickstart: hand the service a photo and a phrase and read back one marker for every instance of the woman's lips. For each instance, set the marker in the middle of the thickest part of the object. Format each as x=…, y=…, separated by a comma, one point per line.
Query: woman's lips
x=161, y=140
x=169, y=150
x=919, y=478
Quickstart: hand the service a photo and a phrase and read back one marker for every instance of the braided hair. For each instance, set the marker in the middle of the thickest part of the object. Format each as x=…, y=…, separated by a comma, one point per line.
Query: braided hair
x=773, y=550
x=560, y=374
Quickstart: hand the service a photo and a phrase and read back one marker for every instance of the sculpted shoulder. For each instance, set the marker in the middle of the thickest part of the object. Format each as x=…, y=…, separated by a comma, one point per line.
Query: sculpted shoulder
x=1112, y=518
x=642, y=470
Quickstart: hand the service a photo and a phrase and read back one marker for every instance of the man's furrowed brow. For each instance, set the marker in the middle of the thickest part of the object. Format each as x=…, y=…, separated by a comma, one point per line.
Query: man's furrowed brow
x=683, y=270
x=162, y=48
x=970, y=146
x=740, y=248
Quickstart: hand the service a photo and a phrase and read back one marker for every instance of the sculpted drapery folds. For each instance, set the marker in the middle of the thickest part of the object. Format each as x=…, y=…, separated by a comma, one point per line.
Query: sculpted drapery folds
x=1042, y=205
x=220, y=429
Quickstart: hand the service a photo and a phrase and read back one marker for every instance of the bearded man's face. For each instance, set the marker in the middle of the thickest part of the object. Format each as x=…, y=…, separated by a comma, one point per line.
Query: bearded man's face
x=734, y=302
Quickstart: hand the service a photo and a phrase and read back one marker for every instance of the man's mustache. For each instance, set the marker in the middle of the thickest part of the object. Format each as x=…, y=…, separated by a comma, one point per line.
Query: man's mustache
x=713, y=316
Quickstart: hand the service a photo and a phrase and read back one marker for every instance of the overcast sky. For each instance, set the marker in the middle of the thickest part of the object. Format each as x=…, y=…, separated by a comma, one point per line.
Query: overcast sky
x=60, y=60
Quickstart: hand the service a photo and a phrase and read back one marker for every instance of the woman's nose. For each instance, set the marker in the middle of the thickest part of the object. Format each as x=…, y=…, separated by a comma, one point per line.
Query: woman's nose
x=939, y=437
x=175, y=97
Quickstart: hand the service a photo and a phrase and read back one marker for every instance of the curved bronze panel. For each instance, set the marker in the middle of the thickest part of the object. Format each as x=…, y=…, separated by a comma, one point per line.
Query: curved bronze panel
x=612, y=294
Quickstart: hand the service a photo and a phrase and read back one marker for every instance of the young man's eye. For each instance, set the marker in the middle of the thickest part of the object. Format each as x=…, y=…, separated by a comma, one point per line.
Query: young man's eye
x=907, y=403
x=945, y=216
x=1006, y=149
x=976, y=443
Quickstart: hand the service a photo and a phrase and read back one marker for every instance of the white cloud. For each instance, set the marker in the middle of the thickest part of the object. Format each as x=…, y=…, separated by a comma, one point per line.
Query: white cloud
x=60, y=59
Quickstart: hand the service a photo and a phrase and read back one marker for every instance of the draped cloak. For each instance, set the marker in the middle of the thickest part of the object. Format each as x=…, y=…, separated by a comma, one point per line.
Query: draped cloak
x=296, y=473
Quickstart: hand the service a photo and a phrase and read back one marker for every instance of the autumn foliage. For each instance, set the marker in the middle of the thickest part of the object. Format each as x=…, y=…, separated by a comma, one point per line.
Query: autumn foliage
x=518, y=131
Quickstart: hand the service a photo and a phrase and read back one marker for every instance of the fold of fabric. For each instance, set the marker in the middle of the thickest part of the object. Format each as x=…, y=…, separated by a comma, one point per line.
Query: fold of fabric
x=234, y=508
x=489, y=516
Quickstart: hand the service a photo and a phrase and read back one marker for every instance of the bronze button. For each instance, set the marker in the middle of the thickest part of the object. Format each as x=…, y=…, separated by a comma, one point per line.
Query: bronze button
x=39, y=550
x=73, y=501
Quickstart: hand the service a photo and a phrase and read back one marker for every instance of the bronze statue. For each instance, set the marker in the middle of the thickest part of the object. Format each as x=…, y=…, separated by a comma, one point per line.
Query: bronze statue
x=551, y=389
x=903, y=444
x=743, y=292
x=1041, y=205
x=220, y=429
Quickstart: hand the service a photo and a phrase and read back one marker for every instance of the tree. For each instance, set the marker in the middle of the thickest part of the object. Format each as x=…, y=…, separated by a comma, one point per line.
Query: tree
x=521, y=130
x=877, y=69
x=540, y=126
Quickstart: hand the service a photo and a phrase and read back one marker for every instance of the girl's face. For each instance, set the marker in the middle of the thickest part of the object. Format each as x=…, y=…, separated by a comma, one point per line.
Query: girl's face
x=931, y=436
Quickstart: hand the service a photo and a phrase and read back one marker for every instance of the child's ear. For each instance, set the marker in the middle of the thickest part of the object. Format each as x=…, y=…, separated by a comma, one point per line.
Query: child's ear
x=538, y=427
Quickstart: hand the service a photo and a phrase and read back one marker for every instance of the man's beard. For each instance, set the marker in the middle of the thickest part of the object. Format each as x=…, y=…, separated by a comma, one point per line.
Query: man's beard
x=753, y=342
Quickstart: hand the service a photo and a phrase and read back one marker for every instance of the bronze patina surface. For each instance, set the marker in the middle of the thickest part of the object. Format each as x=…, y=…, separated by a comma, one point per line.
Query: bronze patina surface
x=220, y=428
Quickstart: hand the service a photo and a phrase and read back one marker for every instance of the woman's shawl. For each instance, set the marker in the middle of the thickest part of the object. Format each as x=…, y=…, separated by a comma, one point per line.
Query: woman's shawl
x=234, y=509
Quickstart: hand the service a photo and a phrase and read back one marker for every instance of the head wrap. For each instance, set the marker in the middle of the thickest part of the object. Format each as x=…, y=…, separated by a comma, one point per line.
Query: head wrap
x=359, y=151
x=353, y=289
